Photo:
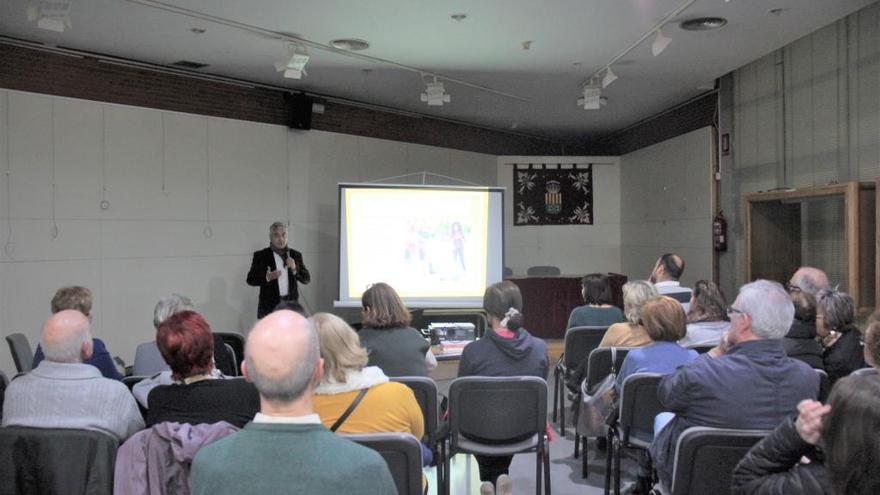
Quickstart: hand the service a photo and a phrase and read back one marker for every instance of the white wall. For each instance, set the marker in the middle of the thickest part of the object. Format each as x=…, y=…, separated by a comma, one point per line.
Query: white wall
x=575, y=249
x=235, y=177
x=666, y=206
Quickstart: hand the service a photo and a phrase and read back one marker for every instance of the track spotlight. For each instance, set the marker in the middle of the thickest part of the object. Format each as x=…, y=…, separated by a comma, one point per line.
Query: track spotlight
x=51, y=15
x=294, y=67
x=660, y=43
x=592, y=98
x=435, y=94
x=609, y=78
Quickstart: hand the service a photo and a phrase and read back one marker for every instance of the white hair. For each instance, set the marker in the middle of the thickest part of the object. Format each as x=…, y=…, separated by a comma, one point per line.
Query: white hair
x=68, y=349
x=169, y=305
x=769, y=307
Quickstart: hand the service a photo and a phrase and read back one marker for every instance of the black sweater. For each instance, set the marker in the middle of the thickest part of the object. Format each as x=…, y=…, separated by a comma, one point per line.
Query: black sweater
x=493, y=355
x=208, y=401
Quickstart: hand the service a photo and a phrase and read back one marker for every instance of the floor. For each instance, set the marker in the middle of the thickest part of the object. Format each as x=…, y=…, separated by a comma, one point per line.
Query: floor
x=565, y=470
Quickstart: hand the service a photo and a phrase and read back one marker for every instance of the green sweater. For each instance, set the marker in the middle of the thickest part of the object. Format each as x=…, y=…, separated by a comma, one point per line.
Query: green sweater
x=265, y=459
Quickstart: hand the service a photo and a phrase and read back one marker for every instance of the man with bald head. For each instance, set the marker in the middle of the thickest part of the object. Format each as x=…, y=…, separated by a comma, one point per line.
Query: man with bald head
x=808, y=279
x=63, y=392
x=665, y=275
x=286, y=449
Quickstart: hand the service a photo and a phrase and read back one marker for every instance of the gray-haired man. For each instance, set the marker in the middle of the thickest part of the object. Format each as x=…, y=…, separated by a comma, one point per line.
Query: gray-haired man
x=286, y=448
x=276, y=271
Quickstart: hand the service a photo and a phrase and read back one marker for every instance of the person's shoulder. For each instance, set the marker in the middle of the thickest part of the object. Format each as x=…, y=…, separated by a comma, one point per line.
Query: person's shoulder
x=393, y=389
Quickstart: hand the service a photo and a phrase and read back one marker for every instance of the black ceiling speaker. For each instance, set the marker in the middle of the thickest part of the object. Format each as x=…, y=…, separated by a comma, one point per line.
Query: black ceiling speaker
x=299, y=108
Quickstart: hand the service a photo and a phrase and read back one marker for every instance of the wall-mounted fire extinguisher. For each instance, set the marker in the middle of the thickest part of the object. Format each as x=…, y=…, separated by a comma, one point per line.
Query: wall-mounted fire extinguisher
x=719, y=232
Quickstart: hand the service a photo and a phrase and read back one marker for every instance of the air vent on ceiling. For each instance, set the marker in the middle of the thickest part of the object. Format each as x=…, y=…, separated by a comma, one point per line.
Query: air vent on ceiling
x=186, y=64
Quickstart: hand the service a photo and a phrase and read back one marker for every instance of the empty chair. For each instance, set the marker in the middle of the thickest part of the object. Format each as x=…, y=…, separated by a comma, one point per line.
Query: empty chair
x=425, y=390
x=508, y=272
x=638, y=405
x=500, y=416
x=705, y=458
x=21, y=351
x=45, y=460
x=403, y=455
x=579, y=342
x=236, y=342
x=543, y=271
x=599, y=366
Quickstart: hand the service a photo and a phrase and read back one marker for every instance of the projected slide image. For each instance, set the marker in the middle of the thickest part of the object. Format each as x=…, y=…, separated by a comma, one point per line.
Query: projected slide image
x=424, y=243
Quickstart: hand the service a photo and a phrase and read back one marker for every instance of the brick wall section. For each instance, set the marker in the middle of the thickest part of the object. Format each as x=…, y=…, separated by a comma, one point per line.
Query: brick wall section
x=86, y=78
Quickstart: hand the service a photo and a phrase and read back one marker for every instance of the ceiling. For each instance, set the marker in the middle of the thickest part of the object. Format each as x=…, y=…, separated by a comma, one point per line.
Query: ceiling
x=570, y=41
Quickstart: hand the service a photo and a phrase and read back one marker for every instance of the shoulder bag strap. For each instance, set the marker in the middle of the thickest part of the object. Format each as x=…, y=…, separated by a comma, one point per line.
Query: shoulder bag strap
x=614, y=360
x=351, y=408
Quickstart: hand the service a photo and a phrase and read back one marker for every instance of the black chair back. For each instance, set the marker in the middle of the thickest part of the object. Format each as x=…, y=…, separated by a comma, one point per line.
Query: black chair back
x=599, y=364
x=701, y=349
x=579, y=343
x=236, y=342
x=705, y=458
x=44, y=460
x=824, y=384
x=496, y=409
x=22, y=355
x=425, y=390
x=403, y=455
x=131, y=381
x=3, y=383
x=639, y=403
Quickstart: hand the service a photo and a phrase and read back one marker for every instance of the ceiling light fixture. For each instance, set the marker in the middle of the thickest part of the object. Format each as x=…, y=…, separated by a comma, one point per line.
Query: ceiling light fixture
x=294, y=67
x=592, y=97
x=660, y=43
x=609, y=77
x=703, y=24
x=435, y=95
x=51, y=15
x=350, y=44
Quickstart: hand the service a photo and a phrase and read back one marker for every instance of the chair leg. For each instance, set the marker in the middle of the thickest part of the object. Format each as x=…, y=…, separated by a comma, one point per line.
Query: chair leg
x=608, y=455
x=555, y=392
x=577, y=444
x=562, y=394
x=585, y=467
x=546, y=465
x=444, y=488
x=539, y=457
x=617, y=450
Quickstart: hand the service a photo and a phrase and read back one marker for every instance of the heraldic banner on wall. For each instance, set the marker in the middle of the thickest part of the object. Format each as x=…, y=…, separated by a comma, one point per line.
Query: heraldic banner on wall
x=552, y=196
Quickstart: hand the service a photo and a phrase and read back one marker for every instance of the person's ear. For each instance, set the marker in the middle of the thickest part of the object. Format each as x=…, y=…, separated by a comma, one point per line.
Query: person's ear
x=86, y=350
x=244, y=371
x=318, y=373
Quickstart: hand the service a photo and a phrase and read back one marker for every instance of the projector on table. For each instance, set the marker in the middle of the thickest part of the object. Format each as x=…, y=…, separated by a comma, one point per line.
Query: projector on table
x=453, y=331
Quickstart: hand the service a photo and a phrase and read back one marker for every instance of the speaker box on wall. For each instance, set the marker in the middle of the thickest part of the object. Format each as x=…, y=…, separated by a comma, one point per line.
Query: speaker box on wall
x=299, y=107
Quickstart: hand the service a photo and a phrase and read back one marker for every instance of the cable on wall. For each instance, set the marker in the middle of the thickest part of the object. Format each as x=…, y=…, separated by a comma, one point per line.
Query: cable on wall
x=207, y=231
x=53, y=231
x=9, y=246
x=164, y=152
x=104, y=204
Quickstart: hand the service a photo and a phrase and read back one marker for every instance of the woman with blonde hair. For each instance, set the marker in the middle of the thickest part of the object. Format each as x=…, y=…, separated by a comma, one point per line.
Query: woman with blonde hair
x=631, y=333
x=384, y=406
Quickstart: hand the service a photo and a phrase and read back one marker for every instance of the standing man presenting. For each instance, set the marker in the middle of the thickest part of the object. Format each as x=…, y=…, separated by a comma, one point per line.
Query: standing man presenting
x=276, y=270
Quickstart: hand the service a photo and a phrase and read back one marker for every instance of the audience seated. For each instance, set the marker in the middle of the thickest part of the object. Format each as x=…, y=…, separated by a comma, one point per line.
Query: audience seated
x=63, y=392
x=598, y=311
x=665, y=275
x=393, y=345
x=664, y=320
x=148, y=361
x=846, y=429
x=197, y=396
x=752, y=385
x=800, y=341
x=872, y=345
x=80, y=299
x=385, y=407
x=835, y=325
x=286, y=449
x=808, y=279
x=507, y=350
x=630, y=333
x=706, y=317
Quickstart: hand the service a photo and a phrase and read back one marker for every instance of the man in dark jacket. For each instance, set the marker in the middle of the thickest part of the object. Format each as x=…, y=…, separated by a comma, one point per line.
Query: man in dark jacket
x=751, y=385
x=276, y=271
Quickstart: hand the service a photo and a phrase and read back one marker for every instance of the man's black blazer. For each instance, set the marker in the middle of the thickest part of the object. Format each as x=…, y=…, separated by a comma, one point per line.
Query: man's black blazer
x=269, y=295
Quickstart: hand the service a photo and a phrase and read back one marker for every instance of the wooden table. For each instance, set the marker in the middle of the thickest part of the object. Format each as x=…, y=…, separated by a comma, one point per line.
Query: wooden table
x=548, y=301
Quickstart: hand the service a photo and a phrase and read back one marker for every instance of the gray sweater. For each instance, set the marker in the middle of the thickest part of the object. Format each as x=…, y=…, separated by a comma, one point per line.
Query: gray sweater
x=71, y=395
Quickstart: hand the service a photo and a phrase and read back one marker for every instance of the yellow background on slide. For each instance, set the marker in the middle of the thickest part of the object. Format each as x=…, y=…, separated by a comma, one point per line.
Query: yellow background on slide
x=404, y=237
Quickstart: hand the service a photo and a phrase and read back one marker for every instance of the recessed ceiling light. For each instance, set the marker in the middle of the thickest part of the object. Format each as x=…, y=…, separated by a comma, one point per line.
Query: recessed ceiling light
x=703, y=23
x=458, y=16
x=197, y=30
x=350, y=44
x=777, y=12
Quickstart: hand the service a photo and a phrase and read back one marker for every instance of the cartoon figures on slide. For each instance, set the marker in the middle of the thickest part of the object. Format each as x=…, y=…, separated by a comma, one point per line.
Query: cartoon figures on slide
x=437, y=249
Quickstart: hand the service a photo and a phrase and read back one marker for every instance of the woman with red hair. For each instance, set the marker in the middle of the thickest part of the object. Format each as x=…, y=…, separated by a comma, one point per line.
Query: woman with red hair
x=187, y=345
